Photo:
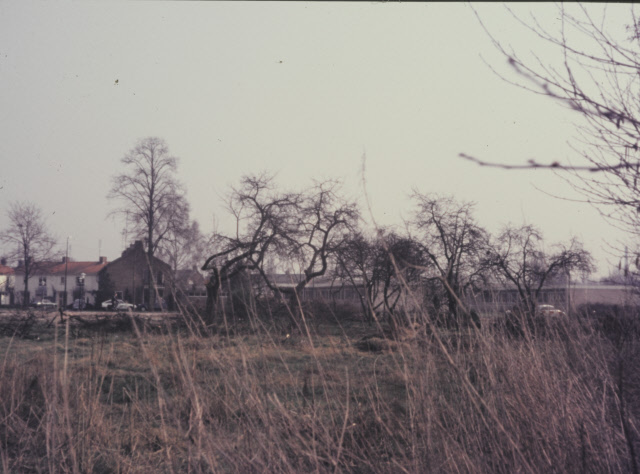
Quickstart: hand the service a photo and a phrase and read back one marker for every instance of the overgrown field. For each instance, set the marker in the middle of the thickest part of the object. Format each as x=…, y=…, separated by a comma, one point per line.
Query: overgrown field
x=330, y=394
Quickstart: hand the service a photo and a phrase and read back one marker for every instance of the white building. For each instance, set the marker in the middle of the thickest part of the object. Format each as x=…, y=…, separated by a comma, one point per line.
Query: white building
x=6, y=284
x=47, y=281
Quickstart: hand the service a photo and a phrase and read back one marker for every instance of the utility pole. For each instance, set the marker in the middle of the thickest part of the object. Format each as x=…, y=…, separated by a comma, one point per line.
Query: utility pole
x=66, y=264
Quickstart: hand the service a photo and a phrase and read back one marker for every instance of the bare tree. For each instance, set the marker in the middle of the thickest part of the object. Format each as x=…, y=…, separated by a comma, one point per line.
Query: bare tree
x=261, y=215
x=595, y=75
x=401, y=271
x=452, y=241
x=381, y=269
x=183, y=245
x=149, y=194
x=518, y=258
x=322, y=220
x=358, y=263
x=182, y=248
x=27, y=238
x=303, y=230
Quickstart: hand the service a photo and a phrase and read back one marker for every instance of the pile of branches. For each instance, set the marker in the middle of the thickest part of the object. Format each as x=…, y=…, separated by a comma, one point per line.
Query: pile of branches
x=122, y=322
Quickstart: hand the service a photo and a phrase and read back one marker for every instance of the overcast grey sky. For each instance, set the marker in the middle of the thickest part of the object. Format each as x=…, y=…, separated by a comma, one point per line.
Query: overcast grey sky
x=301, y=89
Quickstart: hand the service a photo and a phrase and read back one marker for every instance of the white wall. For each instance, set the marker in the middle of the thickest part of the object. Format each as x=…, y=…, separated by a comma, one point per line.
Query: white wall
x=56, y=282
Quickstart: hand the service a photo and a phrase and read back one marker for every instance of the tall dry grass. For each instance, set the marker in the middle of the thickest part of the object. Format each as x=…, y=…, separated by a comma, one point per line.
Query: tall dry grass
x=328, y=394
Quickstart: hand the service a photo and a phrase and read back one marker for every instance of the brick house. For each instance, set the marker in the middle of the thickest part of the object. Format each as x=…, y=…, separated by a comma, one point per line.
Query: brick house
x=132, y=276
x=47, y=281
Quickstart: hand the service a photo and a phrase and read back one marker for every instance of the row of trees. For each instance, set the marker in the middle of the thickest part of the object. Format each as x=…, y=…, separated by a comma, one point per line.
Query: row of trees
x=443, y=246
x=311, y=233
x=442, y=251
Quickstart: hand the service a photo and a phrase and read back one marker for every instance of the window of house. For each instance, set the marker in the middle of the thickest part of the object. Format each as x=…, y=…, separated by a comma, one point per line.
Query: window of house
x=159, y=278
x=62, y=280
x=42, y=281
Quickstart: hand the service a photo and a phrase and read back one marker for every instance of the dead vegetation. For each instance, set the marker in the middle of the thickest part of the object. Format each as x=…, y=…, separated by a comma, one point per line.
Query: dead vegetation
x=255, y=396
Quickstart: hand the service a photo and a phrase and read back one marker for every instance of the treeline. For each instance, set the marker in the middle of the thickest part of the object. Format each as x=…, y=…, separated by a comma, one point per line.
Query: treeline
x=316, y=231
x=442, y=251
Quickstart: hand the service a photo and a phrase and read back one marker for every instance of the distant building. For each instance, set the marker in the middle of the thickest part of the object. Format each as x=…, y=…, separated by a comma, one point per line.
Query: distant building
x=133, y=276
x=7, y=283
x=326, y=288
x=564, y=297
x=47, y=281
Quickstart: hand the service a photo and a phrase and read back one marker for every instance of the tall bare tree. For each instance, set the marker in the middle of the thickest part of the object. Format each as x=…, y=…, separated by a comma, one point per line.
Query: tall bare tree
x=27, y=238
x=518, y=257
x=149, y=194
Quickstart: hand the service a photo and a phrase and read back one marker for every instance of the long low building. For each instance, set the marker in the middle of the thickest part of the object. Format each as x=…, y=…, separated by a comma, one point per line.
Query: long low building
x=564, y=297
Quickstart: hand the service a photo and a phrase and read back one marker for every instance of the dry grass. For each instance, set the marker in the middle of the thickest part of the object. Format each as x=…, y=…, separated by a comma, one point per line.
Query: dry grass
x=329, y=397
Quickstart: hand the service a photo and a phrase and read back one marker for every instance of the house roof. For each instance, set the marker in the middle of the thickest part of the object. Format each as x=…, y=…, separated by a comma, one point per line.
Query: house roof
x=4, y=270
x=72, y=268
x=137, y=251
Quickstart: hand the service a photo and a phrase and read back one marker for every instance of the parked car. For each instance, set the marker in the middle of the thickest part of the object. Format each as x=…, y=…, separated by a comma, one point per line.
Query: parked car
x=107, y=305
x=548, y=310
x=122, y=306
x=45, y=304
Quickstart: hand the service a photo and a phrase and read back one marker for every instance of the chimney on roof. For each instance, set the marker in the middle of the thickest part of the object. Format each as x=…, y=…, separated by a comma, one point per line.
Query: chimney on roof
x=103, y=260
x=3, y=261
x=64, y=259
x=20, y=263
